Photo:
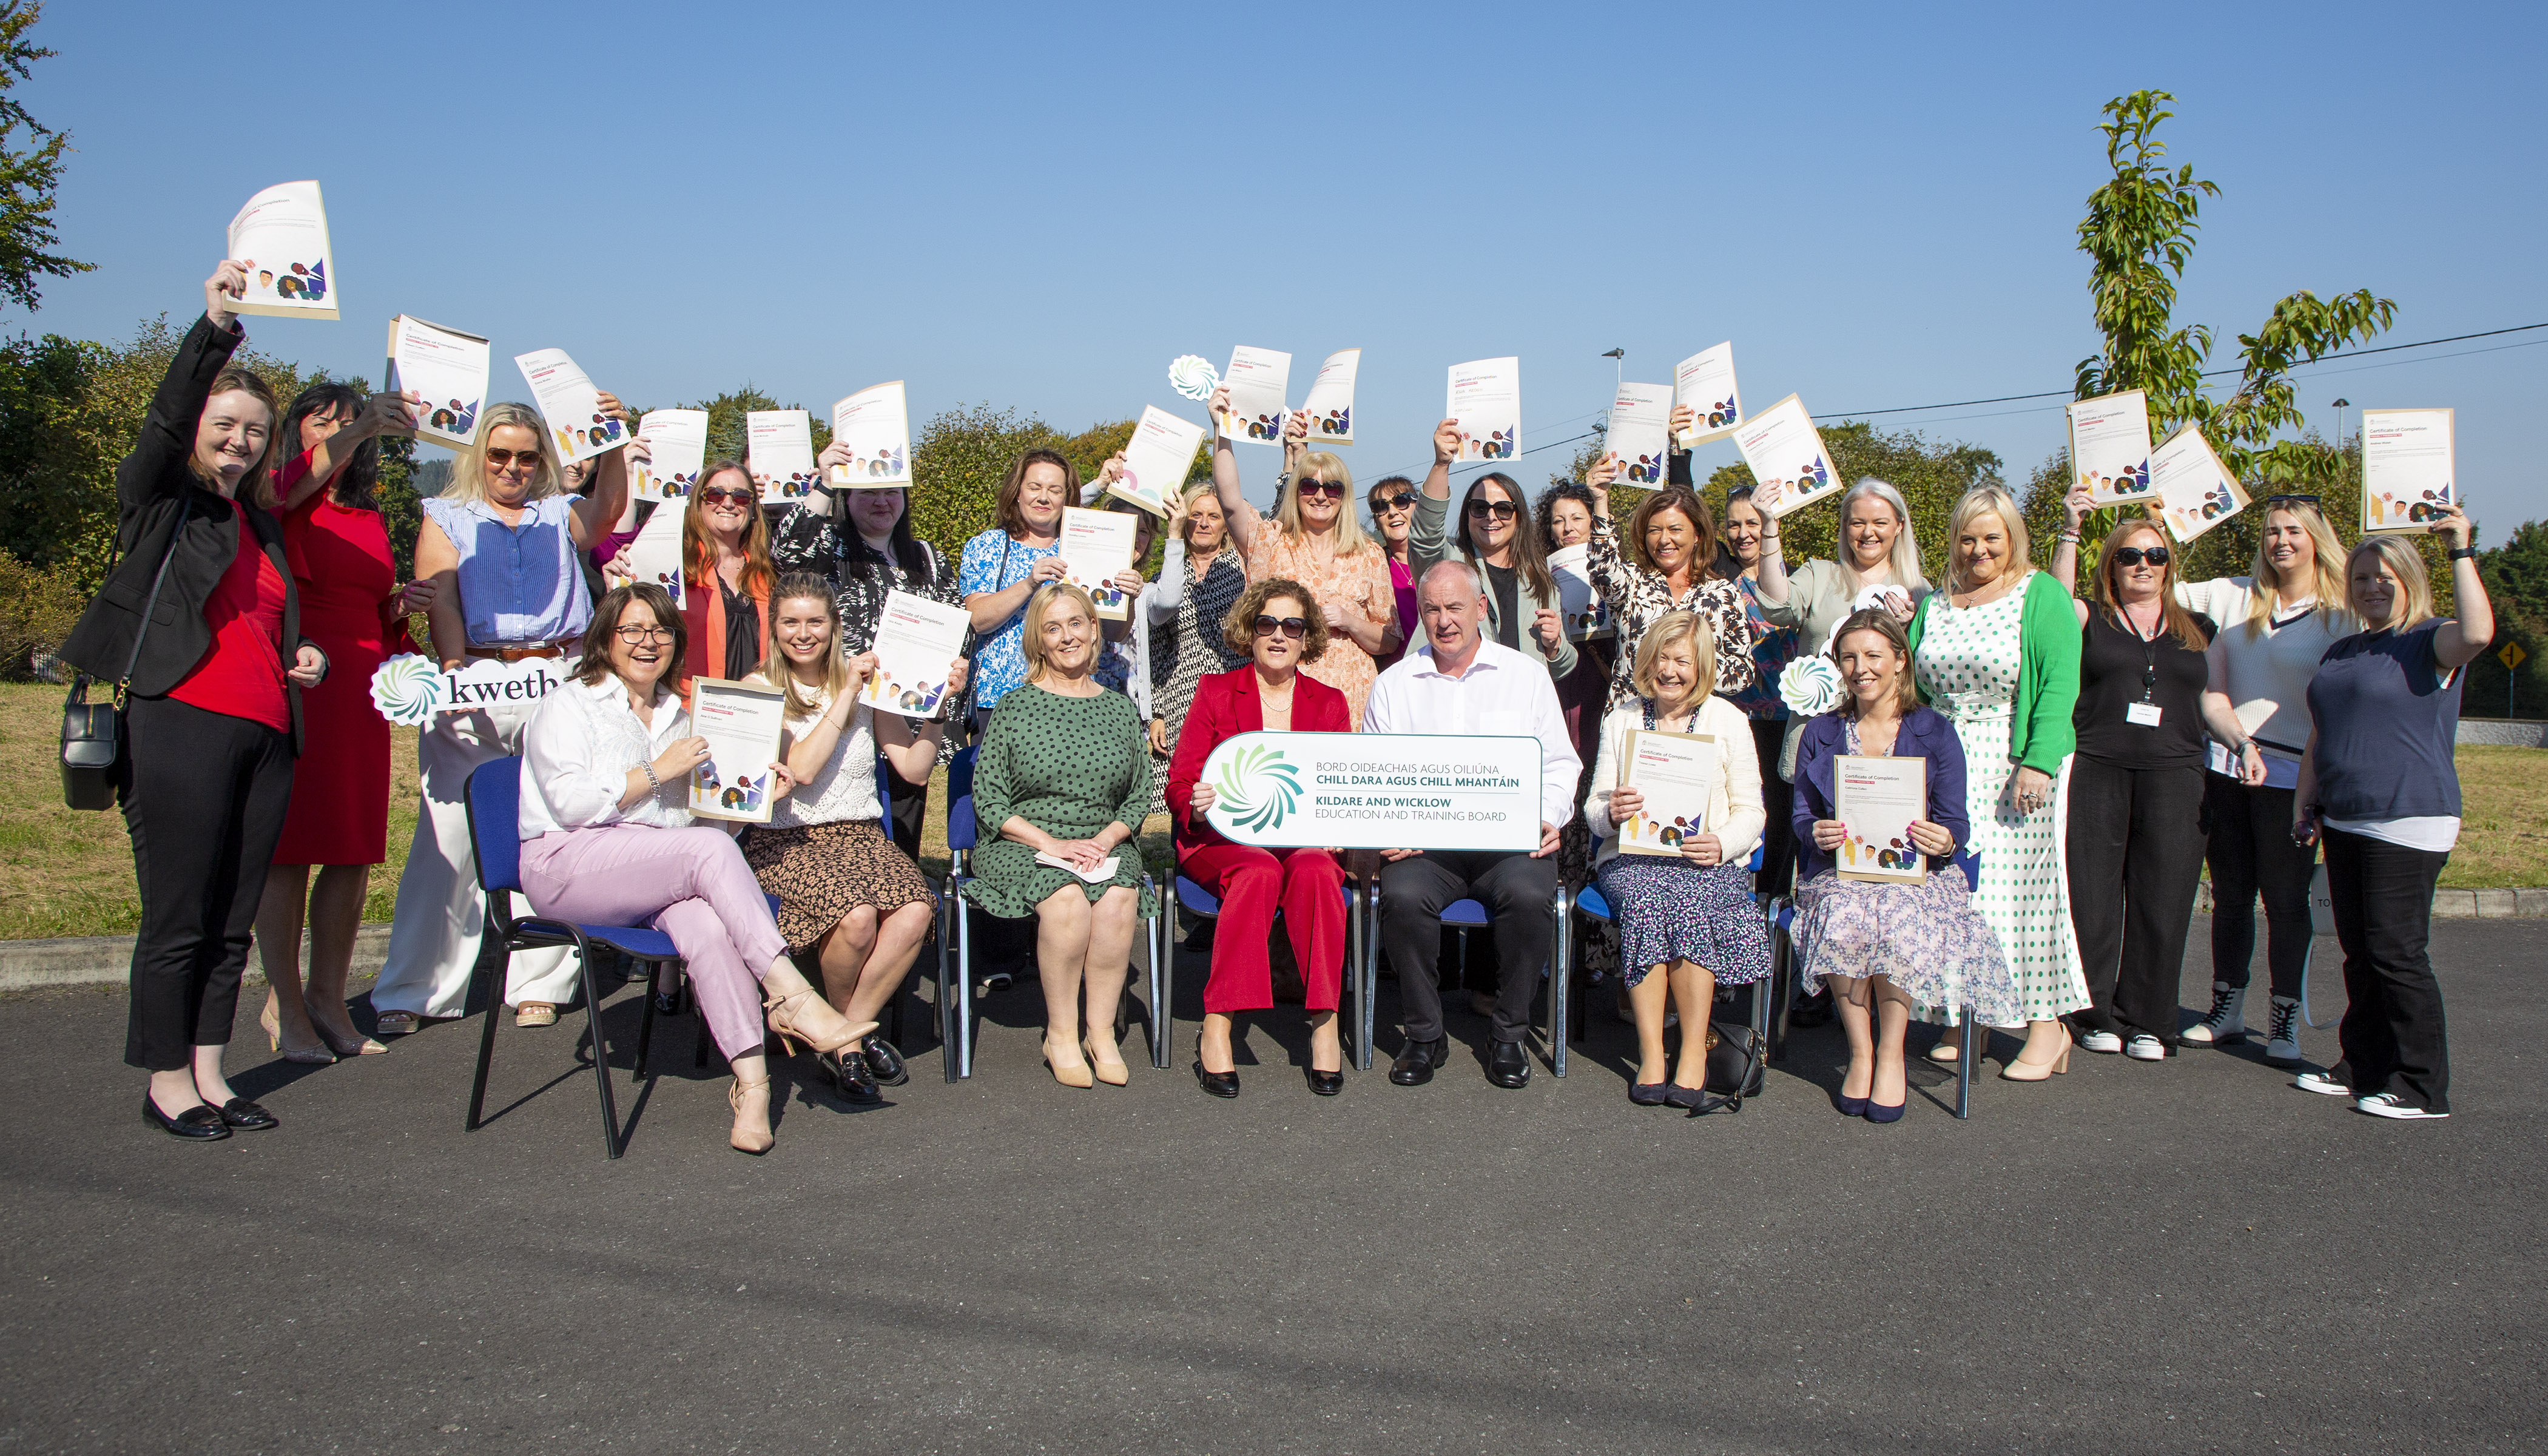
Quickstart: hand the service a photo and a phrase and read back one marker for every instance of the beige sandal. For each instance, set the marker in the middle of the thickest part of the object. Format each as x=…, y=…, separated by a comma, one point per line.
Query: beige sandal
x=397, y=1024
x=535, y=1014
x=734, y=1100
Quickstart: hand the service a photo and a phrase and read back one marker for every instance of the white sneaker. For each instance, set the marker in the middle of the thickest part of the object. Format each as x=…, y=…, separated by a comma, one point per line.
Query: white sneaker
x=2283, y=1042
x=2324, y=1083
x=2388, y=1104
x=2145, y=1048
x=2106, y=1042
x=2225, y=1023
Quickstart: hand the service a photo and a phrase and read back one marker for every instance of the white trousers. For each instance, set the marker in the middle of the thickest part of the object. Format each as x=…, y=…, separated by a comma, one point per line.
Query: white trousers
x=441, y=914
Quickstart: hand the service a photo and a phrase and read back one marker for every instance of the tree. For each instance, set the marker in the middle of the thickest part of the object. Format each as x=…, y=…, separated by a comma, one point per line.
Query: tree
x=2516, y=583
x=1932, y=476
x=29, y=173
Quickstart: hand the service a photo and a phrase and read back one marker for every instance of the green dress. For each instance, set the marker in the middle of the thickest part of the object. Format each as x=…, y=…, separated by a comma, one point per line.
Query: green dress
x=1069, y=766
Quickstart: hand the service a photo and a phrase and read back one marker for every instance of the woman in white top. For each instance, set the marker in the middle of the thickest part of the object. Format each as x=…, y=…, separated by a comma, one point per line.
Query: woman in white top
x=2275, y=623
x=608, y=840
x=1692, y=917
x=1878, y=552
x=845, y=892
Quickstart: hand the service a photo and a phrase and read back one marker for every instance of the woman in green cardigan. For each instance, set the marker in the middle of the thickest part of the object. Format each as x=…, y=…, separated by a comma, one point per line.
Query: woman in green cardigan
x=1998, y=653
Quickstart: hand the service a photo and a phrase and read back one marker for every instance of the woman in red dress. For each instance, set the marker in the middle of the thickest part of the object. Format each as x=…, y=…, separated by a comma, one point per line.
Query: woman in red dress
x=351, y=604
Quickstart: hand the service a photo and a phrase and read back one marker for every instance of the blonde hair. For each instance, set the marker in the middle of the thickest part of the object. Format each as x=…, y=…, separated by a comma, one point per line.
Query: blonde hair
x=1287, y=510
x=1030, y=643
x=774, y=669
x=2414, y=601
x=1671, y=627
x=1983, y=500
x=2325, y=554
x=1903, y=565
x=469, y=472
x=1185, y=527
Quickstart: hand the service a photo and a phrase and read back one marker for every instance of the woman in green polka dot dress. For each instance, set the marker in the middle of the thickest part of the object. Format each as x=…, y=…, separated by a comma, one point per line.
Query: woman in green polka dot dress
x=1065, y=770
x=1998, y=653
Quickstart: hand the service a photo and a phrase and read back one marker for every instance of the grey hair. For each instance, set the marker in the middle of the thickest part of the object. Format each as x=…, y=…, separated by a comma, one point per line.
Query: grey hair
x=1904, y=563
x=1460, y=569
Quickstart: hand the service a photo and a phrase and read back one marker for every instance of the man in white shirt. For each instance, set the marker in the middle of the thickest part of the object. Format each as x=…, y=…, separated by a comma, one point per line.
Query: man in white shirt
x=1459, y=681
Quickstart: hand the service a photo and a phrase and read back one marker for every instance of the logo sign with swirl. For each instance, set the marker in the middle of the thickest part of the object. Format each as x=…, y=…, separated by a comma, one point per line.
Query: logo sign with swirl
x=410, y=690
x=1376, y=791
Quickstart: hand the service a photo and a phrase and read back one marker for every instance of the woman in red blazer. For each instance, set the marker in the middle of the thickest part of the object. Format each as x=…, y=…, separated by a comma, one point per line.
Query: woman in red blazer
x=1278, y=624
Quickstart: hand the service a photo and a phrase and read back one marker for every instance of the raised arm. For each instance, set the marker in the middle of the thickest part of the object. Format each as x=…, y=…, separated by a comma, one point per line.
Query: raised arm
x=382, y=414
x=167, y=438
x=1235, y=508
x=2065, y=565
x=597, y=514
x=2460, y=639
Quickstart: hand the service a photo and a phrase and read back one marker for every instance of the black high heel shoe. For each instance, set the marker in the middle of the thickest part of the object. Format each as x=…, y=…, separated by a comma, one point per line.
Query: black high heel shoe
x=1325, y=1084
x=197, y=1124
x=1225, y=1084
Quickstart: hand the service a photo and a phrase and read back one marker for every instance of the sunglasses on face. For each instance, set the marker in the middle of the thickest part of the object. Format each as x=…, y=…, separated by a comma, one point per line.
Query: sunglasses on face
x=526, y=459
x=1292, y=628
x=1480, y=510
x=2136, y=555
x=719, y=495
x=1329, y=490
x=1403, y=500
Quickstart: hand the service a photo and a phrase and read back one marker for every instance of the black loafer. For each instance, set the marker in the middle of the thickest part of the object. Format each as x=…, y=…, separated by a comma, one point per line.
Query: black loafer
x=1218, y=1084
x=884, y=1062
x=247, y=1117
x=1327, y=1084
x=1415, y=1065
x=850, y=1077
x=1508, y=1065
x=197, y=1124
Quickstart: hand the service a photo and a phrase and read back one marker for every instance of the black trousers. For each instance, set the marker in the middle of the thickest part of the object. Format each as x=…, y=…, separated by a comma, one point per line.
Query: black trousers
x=2249, y=831
x=2392, y=1037
x=205, y=802
x=2136, y=842
x=1779, y=797
x=1514, y=887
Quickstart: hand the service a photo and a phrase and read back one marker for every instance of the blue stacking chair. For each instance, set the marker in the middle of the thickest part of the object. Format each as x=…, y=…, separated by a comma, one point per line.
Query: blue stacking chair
x=1591, y=901
x=1464, y=916
x=1185, y=893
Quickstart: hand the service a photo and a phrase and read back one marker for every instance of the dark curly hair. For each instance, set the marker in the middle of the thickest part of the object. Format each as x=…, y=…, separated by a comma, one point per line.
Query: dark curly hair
x=1547, y=511
x=1238, y=629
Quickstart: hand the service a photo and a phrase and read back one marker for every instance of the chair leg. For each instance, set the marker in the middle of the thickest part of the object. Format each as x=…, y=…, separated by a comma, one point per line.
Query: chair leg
x=965, y=995
x=1352, y=987
x=1370, y=974
x=1558, y=977
x=948, y=906
x=487, y=1036
x=1163, y=1020
x=645, y=1023
x=600, y=1046
x=1965, y=1068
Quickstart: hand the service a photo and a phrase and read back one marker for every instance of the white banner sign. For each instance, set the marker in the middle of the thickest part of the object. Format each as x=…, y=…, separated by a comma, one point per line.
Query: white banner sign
x=1376, y=791
x=410, y=690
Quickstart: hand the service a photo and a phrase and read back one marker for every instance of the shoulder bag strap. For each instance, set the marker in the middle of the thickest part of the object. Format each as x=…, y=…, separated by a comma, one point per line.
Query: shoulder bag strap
x=185, y=509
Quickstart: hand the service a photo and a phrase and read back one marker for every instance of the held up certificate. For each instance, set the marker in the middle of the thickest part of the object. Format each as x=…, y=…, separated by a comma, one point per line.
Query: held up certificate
x=2194, y=488
x=876, y=428
x=1878, y=798
x=281, y=238
x=447, y=369
x=1330, y=400
x=657, y=551
x=1257, y=379
x=2109, y=447
x=742, y=722
x=1678, y=773
x=1640, y=433
x=1783, y=447
x=1484, y=403
x=778, y=446
x=1156, y=460
x=915, y=641
x=679, y=441
x=2406, y=468
x=1705, y=383
x=570, y=404
x=1095, y=546
x=1582, y=608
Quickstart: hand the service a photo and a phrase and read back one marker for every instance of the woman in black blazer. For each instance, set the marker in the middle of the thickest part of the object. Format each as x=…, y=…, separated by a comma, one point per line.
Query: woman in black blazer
x=212, y=721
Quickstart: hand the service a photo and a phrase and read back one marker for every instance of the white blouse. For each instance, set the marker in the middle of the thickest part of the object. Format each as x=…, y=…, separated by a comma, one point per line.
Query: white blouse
x=1734, y=806
x=582, y=741
x=846, y=788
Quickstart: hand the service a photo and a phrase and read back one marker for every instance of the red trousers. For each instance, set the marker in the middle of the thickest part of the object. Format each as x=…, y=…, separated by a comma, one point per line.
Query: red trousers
x=1308, y=886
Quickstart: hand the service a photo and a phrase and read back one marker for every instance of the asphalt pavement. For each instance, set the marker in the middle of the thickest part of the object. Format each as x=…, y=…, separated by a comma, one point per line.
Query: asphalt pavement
x=2187, y=1256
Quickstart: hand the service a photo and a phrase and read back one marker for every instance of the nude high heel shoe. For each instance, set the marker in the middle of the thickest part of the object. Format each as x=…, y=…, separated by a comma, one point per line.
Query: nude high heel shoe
x=2022, y=1070
x=1113, y=1077
x=787, y=1011
x=736, y=1138
x=1078, y=1077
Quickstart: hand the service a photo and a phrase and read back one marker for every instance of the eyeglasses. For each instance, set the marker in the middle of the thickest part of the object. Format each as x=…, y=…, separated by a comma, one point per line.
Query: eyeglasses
x=2136, y=555
x=715, y=493
x=1292, y=628
x=1501, y=509
x=2271, y=500
x=1331, y=489
x=631, y=634
x=1403, y=500
x=527, y=459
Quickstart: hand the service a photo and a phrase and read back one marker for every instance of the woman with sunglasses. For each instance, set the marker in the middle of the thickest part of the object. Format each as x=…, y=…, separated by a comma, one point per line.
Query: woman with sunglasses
x=2134, y=834
x=2278, y=621
x=502, y=546
x=725, y=555
x=1314, y=540
x=1281, y=628
x=1497, y=536
x=1393, y=512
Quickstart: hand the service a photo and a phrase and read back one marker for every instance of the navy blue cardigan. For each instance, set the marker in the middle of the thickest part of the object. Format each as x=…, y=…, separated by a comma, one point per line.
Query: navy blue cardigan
x=1926, y=733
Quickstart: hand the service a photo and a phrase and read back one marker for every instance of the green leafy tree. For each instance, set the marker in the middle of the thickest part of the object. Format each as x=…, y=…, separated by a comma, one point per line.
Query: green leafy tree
x=2516, y=583
x=1931, y=475
x=30, y=168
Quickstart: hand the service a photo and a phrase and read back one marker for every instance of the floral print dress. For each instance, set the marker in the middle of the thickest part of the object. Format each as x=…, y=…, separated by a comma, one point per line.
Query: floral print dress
x=1638, y=596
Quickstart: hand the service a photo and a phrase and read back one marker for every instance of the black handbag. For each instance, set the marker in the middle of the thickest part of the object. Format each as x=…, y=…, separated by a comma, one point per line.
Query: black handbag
x=1735, y=1068
x=93, y=745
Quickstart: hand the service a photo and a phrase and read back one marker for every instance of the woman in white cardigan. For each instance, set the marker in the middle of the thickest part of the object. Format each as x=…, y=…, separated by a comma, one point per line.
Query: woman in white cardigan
x=1687, y=921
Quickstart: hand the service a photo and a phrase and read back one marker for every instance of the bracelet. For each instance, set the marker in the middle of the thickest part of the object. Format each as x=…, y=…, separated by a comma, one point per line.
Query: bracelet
x=2463, y=553
x=2070, y=536
x=651, y=781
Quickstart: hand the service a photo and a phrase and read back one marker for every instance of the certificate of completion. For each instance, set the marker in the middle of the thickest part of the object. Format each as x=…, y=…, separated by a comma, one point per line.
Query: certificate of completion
x=2194, y=488
x=281, y=238
x=1678, y=774
x=1705, y=383
x=656, y=554
x=569, y=405
x=2406, y=468
x=1330, y=400
x=1877, y=799
x=1639, y=434
x=876, y=428
x=2109, y=447
x=916, y=638
x=1584, y=613
x=778, y=446
x=1256, y=379
x=1485, y=404
x=1783, y=448
x=448, y=370
x=1156, y=460
x=742, y=722
x=679, y=441
x=1097, y=545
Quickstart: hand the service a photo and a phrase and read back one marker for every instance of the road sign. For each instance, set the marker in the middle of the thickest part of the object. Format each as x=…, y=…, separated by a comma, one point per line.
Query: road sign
x=2512, y=655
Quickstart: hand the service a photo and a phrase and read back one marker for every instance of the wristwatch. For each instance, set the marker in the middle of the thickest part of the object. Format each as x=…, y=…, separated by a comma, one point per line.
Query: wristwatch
x=2463, y=553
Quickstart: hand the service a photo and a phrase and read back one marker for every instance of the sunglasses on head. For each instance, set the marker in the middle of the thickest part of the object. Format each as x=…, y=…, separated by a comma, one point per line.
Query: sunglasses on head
x=1480, y=509
x=1403, y=500
x=527, y=459
x=1292, y=628
x=2136, y=555
x=715, y=493
x=2272, y=500
x=1330, y=489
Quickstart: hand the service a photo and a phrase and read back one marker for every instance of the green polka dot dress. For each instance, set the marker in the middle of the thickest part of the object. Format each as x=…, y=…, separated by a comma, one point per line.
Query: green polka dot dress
x=1968, y=667
x=1070, y=766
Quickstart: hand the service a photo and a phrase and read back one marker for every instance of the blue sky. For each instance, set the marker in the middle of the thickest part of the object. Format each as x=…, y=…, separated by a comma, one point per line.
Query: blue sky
x=1039, y=206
